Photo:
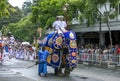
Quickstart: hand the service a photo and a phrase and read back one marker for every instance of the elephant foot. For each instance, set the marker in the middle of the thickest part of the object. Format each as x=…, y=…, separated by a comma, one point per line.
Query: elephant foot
x=71, y=69
x=58, y=72
x=67, y=73
x=61, y=74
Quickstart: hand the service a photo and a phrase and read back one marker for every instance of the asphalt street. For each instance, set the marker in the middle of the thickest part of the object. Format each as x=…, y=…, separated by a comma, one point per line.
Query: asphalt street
x=16, y=70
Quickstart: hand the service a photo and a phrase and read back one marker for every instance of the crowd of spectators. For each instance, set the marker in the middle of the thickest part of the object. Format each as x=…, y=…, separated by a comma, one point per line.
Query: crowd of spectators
x=10, y=48
x=93, y=54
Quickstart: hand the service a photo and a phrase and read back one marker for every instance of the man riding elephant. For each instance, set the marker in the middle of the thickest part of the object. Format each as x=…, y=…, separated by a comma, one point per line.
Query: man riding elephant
x=59, y=25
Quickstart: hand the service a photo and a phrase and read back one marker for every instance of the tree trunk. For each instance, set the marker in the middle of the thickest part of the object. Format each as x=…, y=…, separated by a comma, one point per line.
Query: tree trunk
x=100, y=31
x=110, y=37
x=107, y=22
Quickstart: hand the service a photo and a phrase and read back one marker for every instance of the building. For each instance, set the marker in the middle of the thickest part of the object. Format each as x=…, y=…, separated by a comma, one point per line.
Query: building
x=92, y=35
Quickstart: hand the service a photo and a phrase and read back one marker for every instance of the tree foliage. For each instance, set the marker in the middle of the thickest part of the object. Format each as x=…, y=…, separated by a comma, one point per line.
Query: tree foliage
x=3, y=8
x=45, y=11
x=26, y=7
x=90, y=10
x=23, y=29
x=14, y=16
x=94, y=11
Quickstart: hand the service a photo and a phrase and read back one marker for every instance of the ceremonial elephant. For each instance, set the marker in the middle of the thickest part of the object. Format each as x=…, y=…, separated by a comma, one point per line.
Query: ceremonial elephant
x=63, y=52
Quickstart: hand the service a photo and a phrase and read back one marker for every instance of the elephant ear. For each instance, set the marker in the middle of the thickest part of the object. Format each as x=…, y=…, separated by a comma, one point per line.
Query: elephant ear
x=44, y=41
x=57, y=42
x=50, y=42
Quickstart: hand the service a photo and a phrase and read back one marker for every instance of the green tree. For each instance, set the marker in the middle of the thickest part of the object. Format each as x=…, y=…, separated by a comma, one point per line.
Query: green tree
x=23, y=29
x=8, y=14
x=26, y=7
x=13, y=17
x=45, y=11
x=3, y=8
x=110, y=12
x=90, y=11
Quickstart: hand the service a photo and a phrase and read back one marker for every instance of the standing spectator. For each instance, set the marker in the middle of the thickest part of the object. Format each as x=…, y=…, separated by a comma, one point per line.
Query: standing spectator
x=12, y=40
x=34, y=51
x=42, y=58
x=6, y=52
x=11, y=52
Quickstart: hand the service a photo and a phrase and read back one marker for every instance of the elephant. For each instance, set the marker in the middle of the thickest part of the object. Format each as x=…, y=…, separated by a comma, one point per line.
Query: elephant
x=63, y=52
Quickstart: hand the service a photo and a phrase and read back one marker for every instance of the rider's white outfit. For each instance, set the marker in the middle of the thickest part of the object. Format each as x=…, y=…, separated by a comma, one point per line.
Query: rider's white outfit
x=59, y=25
x=63, y=25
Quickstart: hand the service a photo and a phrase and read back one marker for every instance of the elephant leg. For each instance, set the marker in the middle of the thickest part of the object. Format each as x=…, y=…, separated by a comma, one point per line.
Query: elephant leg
x=59, y=72
x=56, y=71
x=67, y=71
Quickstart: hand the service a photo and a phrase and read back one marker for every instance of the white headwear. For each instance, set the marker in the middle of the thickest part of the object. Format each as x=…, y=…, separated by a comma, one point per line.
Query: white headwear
x=61, y=16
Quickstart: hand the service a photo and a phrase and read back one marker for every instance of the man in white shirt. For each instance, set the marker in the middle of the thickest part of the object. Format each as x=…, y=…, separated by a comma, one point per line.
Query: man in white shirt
x=56, y=24
x=59, y=25
x=12, y=40
x=63, y=24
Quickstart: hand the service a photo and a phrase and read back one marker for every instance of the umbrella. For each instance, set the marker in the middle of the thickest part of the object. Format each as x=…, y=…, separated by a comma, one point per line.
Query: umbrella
x=25, y=43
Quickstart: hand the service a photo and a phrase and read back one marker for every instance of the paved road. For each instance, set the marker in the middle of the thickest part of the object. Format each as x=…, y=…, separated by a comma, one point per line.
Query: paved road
x=16, y=70
x=6, y=73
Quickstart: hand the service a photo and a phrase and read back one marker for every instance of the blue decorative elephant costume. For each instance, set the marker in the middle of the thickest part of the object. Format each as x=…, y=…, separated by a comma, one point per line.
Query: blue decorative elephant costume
x=63, y=48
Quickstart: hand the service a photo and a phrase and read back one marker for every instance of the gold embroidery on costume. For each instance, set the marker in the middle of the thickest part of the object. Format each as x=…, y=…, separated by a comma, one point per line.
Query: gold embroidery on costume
x=59, y=41
x=73, y=44
x=55, y=58
x=73, y=61
x=49, y=59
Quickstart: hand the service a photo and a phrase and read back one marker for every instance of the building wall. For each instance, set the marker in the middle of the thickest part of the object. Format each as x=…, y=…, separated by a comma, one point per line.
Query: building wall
x=114, y=25
x=101, y=39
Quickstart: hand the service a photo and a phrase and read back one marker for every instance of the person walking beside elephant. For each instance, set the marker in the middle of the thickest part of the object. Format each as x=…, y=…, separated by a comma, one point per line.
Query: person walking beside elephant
x=42, y=61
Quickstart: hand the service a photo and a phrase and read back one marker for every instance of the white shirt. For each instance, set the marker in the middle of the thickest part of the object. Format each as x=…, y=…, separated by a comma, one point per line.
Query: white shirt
x=56, y=24
x=12, y=40
x=59, y=24
x=63, y=25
